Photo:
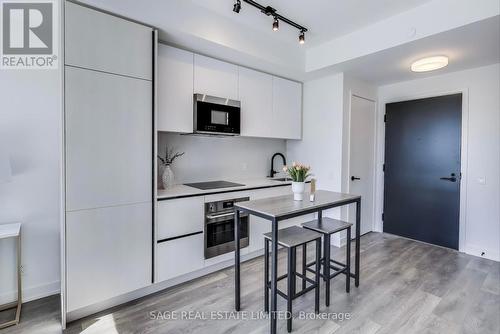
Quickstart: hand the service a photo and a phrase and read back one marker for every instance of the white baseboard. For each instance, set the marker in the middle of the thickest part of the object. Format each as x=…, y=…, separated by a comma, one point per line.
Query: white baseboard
x=482, y=252
x=32, y=293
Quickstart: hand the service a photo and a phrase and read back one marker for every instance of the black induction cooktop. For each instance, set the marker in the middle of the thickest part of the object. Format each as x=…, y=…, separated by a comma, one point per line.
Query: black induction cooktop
x=213, y=185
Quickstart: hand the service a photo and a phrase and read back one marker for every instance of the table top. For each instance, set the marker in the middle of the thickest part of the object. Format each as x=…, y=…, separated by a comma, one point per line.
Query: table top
x=284, y=206
x=10, y=230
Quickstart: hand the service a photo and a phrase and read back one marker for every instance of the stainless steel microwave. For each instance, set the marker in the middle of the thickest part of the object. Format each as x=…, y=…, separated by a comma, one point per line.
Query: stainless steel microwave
x=216, y=116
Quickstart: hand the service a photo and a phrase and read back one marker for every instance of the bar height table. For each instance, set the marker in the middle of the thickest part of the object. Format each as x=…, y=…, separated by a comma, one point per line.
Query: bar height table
x=276, y=209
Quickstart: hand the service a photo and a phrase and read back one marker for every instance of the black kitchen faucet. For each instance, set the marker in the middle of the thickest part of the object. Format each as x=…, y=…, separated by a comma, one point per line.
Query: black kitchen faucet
x=273, y=172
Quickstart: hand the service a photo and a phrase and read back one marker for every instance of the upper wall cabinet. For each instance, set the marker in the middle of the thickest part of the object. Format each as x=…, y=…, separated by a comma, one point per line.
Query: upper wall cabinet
x=99, y=41
x=215, y=77
x=271, y=107
x=256, y=96
x=175, y=89
x=287, y=109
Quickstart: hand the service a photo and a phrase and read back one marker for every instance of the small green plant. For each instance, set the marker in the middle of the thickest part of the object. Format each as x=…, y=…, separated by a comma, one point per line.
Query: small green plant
x=170, y=156
x=298, y=172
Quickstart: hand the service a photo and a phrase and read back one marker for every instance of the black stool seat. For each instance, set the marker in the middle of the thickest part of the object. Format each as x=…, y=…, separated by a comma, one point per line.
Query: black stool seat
x=327, y=225
x=294, y=236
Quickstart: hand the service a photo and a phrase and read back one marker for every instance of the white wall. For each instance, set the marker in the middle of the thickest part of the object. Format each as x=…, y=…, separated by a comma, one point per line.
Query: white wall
x=221, y=158
x=30, y=127
x=321, y=146
x=481, y=232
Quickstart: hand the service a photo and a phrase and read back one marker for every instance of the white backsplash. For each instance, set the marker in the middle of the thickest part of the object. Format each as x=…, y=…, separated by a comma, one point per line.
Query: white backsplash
x=220, y=158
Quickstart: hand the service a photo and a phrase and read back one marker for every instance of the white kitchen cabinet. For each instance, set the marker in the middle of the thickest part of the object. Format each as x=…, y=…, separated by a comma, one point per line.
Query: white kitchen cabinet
x=256, y=96
x=215, y=77
x=175, y=89
x=108, y=139
x=108, y=253
x=179, y=256
x=287, y=109
x=104, y=42
x=177, y=217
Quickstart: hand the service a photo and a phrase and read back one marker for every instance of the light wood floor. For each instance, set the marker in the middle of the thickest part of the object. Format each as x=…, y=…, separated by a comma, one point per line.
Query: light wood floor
x=406, y=287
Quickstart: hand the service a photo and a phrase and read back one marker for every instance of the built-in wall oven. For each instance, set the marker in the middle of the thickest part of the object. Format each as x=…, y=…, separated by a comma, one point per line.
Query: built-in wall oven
x=219, y=227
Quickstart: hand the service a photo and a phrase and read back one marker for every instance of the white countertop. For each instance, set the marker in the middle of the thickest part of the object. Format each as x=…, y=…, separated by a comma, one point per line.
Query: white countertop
x=181, y=190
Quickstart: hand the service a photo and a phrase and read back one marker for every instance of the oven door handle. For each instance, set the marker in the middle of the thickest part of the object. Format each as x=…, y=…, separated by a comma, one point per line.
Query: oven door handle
x=220, y=215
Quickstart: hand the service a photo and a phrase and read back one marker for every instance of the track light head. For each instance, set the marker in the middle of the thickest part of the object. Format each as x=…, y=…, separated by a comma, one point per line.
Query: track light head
x=276, y=24
x=302, y=37
x=237, y=6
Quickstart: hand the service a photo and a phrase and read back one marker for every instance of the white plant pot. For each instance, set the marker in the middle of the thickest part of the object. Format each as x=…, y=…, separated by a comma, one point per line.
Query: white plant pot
x=298, y=189
x=167, y=177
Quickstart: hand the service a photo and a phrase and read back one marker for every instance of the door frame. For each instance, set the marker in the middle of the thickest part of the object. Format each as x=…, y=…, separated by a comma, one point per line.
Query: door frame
x=345, y=212
x=380, y=156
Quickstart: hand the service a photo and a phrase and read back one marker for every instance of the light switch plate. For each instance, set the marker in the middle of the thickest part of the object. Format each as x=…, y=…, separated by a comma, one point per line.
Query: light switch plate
x=481, y=180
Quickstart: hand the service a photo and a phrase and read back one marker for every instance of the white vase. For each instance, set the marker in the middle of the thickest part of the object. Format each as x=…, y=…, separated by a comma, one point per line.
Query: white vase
x=167, y=177
x=298, y=189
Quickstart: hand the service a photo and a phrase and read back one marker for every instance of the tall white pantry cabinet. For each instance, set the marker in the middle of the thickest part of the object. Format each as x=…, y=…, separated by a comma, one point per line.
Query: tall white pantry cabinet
x=108, y=115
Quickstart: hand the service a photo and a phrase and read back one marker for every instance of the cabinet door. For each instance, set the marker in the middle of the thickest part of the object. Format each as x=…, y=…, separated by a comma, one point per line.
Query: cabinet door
x=215, y=77
x=175, y=89
x=181, y=216
x=104, y=42
x=108, y=253
x=108, y=139
x=287, y=109
x=256, y=96
x=179, y=256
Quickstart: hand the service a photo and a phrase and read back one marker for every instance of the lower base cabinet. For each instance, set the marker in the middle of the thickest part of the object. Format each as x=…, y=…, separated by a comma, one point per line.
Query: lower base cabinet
x=180, y=256
x=108, y=253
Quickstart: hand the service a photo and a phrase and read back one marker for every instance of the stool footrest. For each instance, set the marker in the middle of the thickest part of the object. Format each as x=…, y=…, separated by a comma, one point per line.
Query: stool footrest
x=337, y=270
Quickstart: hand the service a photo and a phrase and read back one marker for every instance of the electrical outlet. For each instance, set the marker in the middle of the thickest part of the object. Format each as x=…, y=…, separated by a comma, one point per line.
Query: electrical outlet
x=244, y=166
x=22, y=270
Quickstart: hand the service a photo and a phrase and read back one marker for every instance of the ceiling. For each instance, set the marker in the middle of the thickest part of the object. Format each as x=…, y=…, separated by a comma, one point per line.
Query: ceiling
x=325, y=19
x=469, y=46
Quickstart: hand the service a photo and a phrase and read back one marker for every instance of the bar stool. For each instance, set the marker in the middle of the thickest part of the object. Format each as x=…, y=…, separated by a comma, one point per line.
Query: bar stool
x=327, y=227
x=291, y=238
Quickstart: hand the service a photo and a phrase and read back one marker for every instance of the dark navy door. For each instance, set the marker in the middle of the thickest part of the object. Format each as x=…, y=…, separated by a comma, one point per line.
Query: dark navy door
x=422, y=169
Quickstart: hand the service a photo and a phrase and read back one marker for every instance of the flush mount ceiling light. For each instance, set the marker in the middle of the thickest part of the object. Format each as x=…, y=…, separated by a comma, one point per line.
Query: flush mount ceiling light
x=429, y=64
x=270, y=11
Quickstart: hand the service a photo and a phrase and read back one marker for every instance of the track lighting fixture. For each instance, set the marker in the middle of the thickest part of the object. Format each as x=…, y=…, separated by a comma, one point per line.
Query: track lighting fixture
x=237, y=6
x=270, y=11
x=276, y=24
x=302, y=37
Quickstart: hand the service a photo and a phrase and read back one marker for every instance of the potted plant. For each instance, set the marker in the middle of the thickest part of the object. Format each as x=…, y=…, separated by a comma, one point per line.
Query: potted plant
x=298, y=173
x=166, y=173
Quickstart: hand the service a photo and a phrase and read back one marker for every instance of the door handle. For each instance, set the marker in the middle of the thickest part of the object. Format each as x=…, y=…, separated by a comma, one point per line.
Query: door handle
x=355, y=178
x=452, y=178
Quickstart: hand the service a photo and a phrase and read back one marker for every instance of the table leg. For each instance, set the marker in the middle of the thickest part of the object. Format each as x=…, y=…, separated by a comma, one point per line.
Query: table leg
x=357, y=250
x=274, y=275
x=237, y=260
